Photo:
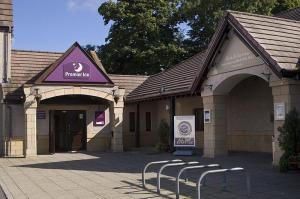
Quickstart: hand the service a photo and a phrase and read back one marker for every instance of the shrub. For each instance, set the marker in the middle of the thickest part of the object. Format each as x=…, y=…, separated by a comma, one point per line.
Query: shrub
x=164, y=131
x=289, y=138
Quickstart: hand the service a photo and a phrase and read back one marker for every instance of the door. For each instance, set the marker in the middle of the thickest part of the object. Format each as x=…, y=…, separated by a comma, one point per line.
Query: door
x=69, y=131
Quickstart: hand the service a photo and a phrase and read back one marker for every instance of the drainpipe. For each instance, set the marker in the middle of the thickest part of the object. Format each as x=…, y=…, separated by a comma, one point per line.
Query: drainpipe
x=5, y=57
x=9, y=127
x=172, y=114
x=3, y=126
x=137, y=137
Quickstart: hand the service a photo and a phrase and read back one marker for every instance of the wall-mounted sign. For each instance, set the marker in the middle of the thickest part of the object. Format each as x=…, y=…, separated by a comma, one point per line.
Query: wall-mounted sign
x=40, y=115
x=77, y=67
x=207, y=116
x=99, y=119
x=184, y=131
x=76, y=70
x=279, y=111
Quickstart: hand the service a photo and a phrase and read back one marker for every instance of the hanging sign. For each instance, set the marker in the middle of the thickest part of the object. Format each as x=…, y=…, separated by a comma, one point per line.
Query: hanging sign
x=184, y=131
x=99, y=119
x=207, y=116
x=279, y=110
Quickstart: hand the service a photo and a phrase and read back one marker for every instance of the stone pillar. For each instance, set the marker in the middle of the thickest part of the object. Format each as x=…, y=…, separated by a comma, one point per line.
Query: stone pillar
x=116, y=111
x=30, y=129
x=287, y=92
x=215, y=132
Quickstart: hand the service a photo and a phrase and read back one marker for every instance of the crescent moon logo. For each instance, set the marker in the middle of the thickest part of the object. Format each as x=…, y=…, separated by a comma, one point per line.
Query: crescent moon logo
x=78, y=67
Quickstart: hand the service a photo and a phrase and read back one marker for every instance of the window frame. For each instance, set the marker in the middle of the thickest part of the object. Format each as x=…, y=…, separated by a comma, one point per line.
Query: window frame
x=148, y=121
x=132, y=122
x=199, y=117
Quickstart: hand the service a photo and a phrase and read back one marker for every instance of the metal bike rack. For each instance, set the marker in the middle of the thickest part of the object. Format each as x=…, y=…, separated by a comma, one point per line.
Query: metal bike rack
x=202, y=177
x=170, y=165
x=191, y=168
x=154, y=163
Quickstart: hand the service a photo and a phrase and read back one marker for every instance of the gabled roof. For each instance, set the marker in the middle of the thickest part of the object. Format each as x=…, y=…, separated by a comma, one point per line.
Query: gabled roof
x=27, y=66
x=275, y=40
x=293, y=14
x=176, y=80
x=47, y=73
x=6, y=13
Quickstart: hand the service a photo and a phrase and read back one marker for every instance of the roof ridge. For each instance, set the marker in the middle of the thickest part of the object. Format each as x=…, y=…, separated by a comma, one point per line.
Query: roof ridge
x=37, y=51
x=181, y=62
x=286, y=11
x=260, y=15
x=128, y=75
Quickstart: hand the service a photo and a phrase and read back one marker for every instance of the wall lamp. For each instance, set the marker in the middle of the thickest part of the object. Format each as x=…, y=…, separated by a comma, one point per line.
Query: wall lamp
x=209, y=86
x=115, y=95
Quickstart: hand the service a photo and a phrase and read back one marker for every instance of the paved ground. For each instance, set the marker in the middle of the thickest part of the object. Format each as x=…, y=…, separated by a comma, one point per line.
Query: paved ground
x=117, y=175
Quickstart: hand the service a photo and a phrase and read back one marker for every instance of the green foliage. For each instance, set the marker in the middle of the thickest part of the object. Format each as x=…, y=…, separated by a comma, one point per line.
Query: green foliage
x=289, y=138
x=143, y=37
x=284, y=163
x=164, y=131
x=203, y=15
x=146, y=36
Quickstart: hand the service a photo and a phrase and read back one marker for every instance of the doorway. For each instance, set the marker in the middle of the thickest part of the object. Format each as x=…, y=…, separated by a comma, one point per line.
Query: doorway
x=67, y=130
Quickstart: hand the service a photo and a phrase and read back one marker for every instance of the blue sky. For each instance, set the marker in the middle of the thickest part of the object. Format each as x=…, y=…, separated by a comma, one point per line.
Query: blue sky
x=54, y=25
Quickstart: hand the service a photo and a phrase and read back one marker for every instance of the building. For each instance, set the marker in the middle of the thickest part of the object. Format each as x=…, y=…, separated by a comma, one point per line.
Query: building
x=250, y=69
x=247, y=79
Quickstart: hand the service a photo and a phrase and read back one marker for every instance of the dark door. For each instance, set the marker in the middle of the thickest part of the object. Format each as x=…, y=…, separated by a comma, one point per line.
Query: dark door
x=70, y=130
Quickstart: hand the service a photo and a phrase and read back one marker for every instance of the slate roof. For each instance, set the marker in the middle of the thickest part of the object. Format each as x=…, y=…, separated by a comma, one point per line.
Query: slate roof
x=6, y=13
x=129, y=82
x=293, y=14
x=276, y=40
x=26, y=67
x=176, y=80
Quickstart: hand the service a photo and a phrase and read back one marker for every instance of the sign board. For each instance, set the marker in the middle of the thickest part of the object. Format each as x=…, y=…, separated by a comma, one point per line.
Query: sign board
x=279, y=111
x=76, y=70
x=40, y=115
x=207, y=116
x=77, y=67
x=184, y=131
x=99, y=119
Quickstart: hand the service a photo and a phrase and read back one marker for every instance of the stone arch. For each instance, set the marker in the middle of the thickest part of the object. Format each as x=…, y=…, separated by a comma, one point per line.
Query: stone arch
x=77, y=91
x=226, y=83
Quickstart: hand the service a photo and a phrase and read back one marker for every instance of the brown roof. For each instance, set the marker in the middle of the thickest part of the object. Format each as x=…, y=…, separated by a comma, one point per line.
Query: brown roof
x=174, y=81
x=6, y=13
x=276, y=40
x=27, y=66
x=293, y=14
x=129, y=82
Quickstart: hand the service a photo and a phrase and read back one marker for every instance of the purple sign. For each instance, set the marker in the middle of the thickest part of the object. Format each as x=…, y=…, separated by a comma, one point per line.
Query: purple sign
x=76, y=70
x=77, y=67
x=99, y=118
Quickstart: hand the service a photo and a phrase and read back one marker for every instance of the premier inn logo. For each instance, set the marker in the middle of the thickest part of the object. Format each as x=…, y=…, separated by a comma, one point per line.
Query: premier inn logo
x=76, y=70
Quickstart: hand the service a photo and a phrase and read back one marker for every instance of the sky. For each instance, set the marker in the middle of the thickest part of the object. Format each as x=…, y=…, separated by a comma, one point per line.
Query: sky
x=54, y=25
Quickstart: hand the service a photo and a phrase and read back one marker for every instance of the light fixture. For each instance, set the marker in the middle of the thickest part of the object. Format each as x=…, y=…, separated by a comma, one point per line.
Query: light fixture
x=115, y=95
x=36, y=95
x=209, y=86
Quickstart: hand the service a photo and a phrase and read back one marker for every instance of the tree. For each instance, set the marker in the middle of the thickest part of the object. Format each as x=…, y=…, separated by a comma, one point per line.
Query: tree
x=289, y=138
x=143, y=37
x=203, y=15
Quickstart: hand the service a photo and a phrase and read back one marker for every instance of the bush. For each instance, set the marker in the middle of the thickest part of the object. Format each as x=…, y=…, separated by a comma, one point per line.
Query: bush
x=289, y=138
x=164, y=131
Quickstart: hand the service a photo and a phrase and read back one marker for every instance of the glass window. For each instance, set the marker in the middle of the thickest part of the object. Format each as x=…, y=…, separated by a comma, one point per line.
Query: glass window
x=199, y=120
x=132, y=121
x=148, y=121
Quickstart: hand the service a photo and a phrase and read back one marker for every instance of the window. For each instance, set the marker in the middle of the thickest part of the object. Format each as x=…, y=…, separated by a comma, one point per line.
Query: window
x=132, y=121
x=148, y=121
x=199, y=120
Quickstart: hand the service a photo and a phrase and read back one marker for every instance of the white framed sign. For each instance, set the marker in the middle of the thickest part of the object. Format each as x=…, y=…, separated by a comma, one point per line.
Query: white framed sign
x=207, y=116
x=279, y=111
x=184, y=131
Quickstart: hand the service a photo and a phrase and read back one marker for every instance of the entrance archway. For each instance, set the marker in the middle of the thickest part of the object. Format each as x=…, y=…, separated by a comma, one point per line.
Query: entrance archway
x=241, y=111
